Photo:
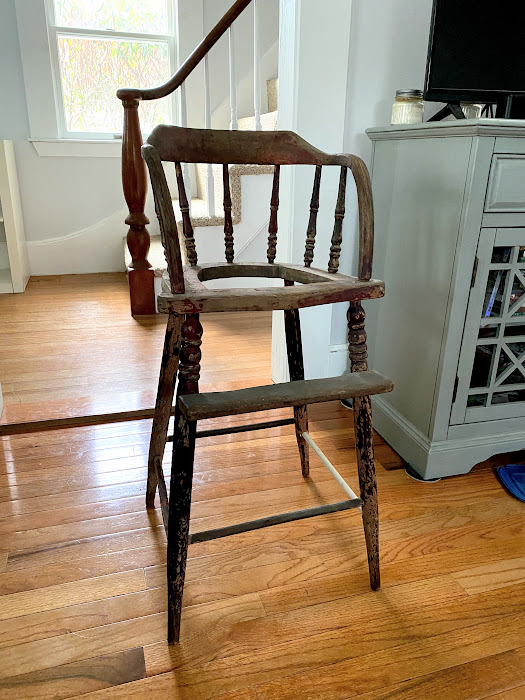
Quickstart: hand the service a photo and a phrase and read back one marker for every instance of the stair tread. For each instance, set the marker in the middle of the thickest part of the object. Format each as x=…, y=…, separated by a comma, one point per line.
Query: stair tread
x=268, y=122
x=261, y=398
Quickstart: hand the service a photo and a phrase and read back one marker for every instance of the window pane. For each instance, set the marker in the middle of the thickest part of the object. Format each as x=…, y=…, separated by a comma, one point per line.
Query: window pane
x=143, y=16
x=92, y=70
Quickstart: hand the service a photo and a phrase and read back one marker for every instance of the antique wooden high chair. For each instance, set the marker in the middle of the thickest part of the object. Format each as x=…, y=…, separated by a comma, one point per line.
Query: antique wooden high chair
x=189, y=297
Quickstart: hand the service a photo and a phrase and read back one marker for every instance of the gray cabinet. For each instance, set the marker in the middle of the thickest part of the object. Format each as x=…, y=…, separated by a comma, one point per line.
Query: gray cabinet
x=450, y=332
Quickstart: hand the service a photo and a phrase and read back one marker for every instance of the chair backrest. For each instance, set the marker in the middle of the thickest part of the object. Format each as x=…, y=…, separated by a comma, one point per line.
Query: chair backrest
x=182, y=145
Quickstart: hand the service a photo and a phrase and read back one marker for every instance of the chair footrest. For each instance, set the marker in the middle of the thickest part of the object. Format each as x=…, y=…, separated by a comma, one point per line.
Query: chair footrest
x=302, y=392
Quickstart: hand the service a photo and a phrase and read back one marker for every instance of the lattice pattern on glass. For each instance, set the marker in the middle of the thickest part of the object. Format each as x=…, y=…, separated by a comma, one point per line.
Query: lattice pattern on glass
x=498, y=372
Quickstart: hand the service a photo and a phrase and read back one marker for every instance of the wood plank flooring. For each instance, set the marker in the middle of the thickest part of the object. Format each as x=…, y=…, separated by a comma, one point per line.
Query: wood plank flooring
x=275, y=614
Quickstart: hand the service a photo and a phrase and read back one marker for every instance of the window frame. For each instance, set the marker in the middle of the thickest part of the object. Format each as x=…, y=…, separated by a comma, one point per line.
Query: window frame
x=53, y=33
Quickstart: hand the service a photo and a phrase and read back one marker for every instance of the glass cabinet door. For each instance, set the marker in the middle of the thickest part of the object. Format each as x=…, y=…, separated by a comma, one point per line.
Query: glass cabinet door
x=491, y=370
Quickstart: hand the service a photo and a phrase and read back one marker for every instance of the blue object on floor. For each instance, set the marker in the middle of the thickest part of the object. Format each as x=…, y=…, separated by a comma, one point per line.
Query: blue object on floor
x=512, y=476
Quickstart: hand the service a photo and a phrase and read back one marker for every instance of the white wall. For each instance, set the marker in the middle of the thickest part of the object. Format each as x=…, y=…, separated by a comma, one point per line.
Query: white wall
x=388, y=51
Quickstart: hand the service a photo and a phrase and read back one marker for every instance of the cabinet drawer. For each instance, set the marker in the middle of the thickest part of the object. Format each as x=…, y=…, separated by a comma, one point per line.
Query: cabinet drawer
x=506, y=189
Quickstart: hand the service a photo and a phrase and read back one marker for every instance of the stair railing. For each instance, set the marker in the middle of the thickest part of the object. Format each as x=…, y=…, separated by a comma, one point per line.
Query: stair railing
x=134, y=180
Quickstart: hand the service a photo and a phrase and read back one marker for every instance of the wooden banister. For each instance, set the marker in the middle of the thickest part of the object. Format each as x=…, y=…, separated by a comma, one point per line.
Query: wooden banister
x=140, y=272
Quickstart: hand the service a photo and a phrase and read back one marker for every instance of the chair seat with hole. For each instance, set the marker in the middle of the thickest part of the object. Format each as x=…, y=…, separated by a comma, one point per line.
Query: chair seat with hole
x=307, y=287
x=185, y=296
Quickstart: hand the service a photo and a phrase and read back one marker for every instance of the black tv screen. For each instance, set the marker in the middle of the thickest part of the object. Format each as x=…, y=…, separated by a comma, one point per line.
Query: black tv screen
x=476, y=50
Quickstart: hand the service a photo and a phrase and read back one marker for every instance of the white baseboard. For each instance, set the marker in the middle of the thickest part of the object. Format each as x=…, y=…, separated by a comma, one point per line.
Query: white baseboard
x=97, y=248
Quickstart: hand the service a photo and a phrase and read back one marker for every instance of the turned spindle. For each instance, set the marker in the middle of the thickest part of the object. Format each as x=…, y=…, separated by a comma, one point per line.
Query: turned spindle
x=190, y=355
x=274, y=207
x=312, y=221
x=337, y=236
x=228, y=223
x=187, y=228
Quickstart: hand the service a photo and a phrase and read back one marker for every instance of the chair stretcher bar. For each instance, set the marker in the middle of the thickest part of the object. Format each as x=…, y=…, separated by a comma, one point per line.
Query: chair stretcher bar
x=207, y=535
x=241, y=428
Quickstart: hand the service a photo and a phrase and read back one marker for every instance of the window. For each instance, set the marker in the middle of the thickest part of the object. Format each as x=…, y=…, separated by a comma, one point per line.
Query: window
x=98, y=46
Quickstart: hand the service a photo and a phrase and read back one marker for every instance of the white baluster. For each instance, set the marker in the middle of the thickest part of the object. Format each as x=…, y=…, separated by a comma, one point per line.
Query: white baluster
x=183, y=121
x=210, y=188
x=233, y=86
x=256, y=77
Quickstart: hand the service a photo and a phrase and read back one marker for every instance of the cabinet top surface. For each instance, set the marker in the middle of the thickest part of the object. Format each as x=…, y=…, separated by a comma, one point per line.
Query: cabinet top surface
x=447, y=129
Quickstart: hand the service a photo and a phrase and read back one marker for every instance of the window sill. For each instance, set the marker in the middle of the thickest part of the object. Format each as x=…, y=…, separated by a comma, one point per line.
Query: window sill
x=75, y=148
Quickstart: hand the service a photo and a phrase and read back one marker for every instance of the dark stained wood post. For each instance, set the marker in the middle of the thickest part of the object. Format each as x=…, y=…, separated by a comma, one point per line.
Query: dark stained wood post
x=364, y=442
x=187, y=226
x=182, y=473
x=228, y=223
x=274, y=208
x=294, y=347
x=337, y=236
x=134, y=182
x=190, y=356
x=312, y=221
x=179, y=519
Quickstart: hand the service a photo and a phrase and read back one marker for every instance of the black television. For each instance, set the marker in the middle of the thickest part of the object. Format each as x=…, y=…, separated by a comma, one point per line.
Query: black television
x=476, y=53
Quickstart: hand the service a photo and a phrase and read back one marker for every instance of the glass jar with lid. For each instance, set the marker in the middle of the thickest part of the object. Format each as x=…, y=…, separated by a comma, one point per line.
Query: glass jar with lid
x=408, y=107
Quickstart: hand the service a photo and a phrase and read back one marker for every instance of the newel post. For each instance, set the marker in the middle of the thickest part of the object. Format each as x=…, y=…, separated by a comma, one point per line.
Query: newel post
x=134, y=182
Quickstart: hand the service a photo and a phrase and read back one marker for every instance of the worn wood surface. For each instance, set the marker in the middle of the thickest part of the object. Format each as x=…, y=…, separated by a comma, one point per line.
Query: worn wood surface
x=294, y=349
x=228, y=223
x=274, y=208
x=261, y=398
x=337, y=236
x=312, y=221
x=176, y=143
x=179, y=519
x=366, y=217
x=164, y=402
x=180, y=144
x=317, y=287
x=187, y=227
x=364, y=442
x=167, y=223
x=190, y=355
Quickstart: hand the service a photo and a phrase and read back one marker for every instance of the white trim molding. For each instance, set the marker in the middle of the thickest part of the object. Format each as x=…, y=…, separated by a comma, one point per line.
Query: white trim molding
x=75, y=148
x=97, y=248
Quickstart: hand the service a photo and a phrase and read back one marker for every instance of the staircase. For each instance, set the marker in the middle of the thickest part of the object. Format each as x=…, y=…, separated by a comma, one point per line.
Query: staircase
x=144, y=257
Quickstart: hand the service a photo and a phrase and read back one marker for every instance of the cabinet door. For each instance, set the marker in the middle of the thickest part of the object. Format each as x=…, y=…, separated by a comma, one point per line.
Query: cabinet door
x=491, y=370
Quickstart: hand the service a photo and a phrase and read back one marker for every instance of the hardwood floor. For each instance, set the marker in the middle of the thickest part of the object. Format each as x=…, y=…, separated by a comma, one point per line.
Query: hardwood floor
x=276, y=614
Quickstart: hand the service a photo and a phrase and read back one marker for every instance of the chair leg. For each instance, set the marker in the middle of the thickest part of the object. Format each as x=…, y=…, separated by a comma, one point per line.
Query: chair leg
x=164, y=402
x=364, y=442
x=364, y=447
x=179, y=519
x=292, y=326
x=182, y=473
x=190, y=356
